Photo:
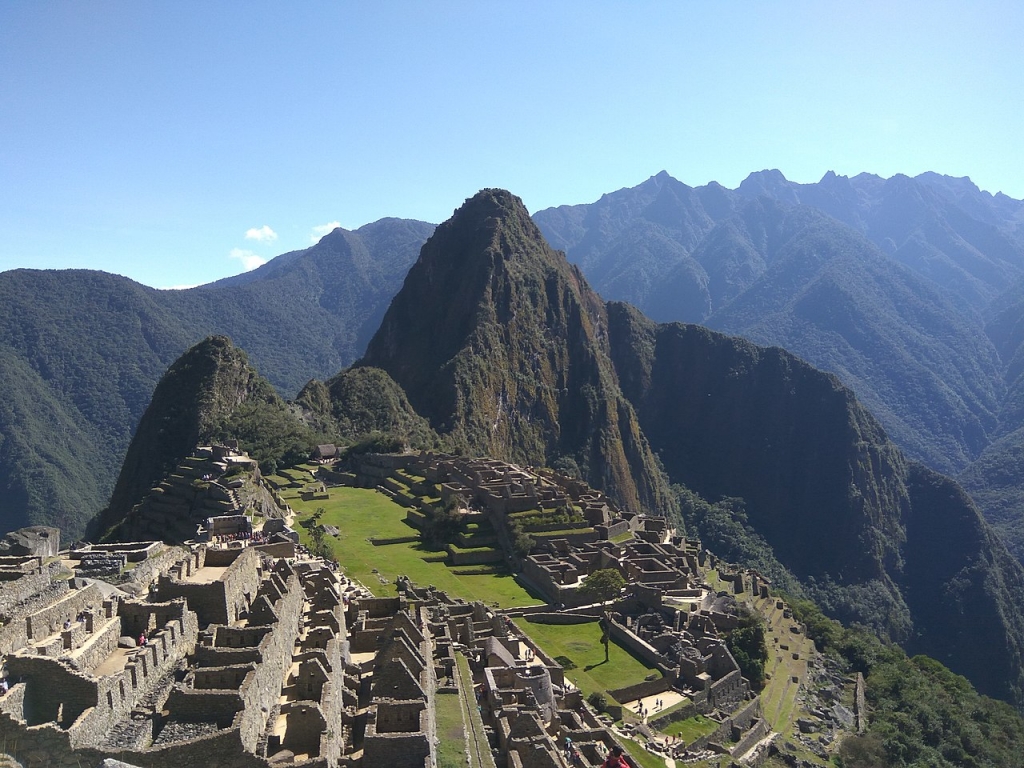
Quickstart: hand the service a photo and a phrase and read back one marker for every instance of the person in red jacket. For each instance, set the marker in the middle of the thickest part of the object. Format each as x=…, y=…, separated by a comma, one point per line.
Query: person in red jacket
x=615, y=759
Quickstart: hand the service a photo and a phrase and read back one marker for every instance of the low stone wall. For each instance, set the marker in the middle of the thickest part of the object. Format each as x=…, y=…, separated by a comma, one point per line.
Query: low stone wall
x=198, y=706
x=146, y=572
x=210, y=656
x=277, y=549
x=740, y=720
x=572, y=539
x=753, y=735
x=561, y=618
x=638, y=647
x=394, y=540
x=475, y=556
x=728, y=690
x=860, y=704
x=641, y=690
x=684, y=711
x=615, y=529
x=97, y=647
x=13, y=594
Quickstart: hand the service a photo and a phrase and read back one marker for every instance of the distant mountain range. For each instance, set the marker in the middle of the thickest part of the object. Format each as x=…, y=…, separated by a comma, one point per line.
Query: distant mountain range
x=496, y=345
x=909, y=290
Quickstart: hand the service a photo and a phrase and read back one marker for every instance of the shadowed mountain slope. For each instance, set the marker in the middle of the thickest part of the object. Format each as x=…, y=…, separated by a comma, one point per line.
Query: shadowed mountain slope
x=872, y=537
x=907, y=289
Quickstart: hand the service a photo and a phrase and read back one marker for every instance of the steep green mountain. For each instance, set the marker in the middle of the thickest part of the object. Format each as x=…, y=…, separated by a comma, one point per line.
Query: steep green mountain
x=871, y=537
x=502, y=346
x=496, y=345
x=361, y=402
x=80, y=354
x=210, y=393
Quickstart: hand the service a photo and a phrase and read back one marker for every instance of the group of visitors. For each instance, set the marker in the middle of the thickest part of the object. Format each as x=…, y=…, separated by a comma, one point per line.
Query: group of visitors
x=253, y=537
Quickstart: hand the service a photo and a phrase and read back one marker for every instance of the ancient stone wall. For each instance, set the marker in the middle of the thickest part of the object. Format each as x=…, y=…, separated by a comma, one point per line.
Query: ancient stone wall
x=640, y=648
x=640, y=690
x=97, y=646
x=51, y=618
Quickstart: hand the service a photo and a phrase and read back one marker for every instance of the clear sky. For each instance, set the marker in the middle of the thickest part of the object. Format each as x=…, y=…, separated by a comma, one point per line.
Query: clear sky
x=181, y=142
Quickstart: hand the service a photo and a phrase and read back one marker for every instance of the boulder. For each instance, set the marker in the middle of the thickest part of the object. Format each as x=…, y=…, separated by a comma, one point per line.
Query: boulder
x=36, y=540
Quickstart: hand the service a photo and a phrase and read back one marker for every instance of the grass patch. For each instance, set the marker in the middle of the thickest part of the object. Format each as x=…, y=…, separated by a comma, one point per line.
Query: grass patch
x=451, y=736
x=361, y=514
x=641, y=755
x=691, y=728
x=581, y=645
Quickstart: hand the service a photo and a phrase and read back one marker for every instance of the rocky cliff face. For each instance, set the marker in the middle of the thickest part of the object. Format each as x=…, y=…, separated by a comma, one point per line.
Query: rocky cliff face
x=502, y=346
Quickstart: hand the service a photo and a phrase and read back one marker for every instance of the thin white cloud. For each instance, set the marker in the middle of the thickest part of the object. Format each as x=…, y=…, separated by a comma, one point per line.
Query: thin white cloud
x=323, y=229
x=249, y=259
x=262, y=234
x=178, y=287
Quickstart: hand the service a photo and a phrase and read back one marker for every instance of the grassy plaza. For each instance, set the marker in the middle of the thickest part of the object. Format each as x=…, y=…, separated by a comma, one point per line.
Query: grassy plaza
x=362, y=514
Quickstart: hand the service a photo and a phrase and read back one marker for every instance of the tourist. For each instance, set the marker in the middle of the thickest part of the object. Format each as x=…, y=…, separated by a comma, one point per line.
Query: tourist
x=615, y=759
x=142, y=639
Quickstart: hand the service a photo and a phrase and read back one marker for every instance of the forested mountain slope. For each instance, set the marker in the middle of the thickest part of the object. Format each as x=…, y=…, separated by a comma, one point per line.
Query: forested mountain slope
x=506, y=351
x=80, y=354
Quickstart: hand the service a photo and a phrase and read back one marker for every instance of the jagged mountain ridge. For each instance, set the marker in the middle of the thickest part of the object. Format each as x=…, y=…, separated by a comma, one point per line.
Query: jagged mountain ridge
x=284, y=316
x=907, y=289
x=704, y=249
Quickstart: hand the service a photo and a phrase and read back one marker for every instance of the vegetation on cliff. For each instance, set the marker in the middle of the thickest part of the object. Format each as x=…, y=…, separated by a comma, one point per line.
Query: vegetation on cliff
x=920, y=713
x=360, y=402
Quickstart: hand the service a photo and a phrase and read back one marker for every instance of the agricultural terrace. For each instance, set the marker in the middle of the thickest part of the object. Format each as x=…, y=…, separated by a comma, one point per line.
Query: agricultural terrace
x=362, y=514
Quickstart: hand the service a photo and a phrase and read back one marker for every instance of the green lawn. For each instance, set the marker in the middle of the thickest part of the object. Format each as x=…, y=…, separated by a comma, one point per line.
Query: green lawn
x=361, y=514
x=641, y=755
x=451, y=737
x=581, y=643
x=690, y=729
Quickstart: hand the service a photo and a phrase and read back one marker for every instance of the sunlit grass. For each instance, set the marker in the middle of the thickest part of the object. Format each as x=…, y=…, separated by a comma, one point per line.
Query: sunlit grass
x=361, y=514
x=581, y=643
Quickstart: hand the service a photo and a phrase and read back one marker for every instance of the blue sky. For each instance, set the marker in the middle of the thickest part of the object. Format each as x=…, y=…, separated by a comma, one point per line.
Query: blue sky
x=181, y=142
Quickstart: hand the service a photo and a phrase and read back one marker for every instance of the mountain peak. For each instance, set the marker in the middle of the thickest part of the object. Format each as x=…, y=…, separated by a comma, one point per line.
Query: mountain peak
x=499, y=343
x=769, y=182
